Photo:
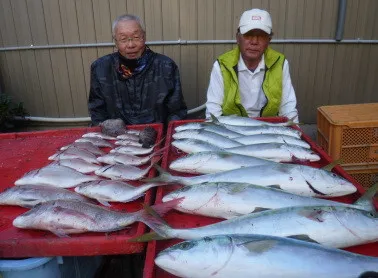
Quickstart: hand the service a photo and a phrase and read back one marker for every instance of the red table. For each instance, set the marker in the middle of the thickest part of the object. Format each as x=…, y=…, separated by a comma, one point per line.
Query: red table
x=178, y=219
x=22, y=152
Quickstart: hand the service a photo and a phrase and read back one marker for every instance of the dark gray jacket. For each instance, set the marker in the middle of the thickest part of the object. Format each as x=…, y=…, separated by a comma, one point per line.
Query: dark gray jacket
x=153, y=95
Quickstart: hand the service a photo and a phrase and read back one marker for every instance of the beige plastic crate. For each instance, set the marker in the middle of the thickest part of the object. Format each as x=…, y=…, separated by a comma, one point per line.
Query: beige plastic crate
x=349, y=132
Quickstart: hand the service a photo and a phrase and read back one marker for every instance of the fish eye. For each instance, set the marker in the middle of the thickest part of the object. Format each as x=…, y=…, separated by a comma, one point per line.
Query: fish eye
x=187, y=245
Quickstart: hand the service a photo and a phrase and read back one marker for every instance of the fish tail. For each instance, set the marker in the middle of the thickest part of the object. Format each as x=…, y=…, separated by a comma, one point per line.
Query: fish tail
x=367, y=200
x=158, y=143
x=164, y=176
x=147, y=237
x=214, y=119
x=151, y=216
x=330, y=166
x=159, y=152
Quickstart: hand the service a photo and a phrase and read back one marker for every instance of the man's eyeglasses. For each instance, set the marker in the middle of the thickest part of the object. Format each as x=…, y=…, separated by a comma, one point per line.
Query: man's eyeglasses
x=130, y=39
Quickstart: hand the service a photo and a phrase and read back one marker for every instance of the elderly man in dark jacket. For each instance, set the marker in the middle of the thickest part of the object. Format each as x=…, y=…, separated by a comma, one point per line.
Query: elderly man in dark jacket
x=135, y=84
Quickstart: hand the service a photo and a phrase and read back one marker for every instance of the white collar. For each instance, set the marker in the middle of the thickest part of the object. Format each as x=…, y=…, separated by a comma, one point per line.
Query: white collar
x=243, y=67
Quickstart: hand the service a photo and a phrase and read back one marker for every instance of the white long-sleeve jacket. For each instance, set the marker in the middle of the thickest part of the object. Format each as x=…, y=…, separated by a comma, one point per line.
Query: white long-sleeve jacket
x=251, y=94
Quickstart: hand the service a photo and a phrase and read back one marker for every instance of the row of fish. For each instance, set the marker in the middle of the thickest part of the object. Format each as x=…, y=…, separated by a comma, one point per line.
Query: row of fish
x=275, y=227
x=63, y=211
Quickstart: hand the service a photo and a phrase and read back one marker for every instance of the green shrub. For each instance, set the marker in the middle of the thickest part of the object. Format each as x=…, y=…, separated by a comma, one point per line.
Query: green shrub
x=8, y=111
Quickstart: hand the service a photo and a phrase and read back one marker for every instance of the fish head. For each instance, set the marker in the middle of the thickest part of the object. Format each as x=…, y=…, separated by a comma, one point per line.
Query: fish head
x=186, y=259
x=30, y=218
x=325, y=183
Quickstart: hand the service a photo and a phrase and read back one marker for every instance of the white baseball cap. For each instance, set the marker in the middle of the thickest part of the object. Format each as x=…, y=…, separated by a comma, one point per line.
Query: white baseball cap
x=255, y=19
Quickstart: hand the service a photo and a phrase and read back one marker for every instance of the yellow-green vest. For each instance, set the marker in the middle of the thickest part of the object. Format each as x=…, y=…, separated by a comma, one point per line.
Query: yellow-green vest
x=272, y=84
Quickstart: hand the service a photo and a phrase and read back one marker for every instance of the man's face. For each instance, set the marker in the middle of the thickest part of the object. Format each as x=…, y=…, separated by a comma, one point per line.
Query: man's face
x=129, y=39
x=252, y=45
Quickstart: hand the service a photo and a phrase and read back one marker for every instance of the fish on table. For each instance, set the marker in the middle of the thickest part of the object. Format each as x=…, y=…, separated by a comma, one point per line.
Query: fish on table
x=55, y=175
x=261, y=256
x=32, y=194
x=332, y=226
x=98, y=135
x=207, y=136
x=87, y=146
x=123, y=172
x=215, y=162
x=294, y=178
x=71, y=153
x=63, y=217
x=228, y=200
x=105, y=191
x=78, y=164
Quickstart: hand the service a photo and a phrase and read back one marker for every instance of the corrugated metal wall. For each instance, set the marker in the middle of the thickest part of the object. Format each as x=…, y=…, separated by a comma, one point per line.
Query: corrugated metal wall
x=54, y=82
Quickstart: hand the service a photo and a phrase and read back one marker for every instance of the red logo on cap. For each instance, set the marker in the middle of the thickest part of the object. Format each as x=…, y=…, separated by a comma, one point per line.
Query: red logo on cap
x=256, y=17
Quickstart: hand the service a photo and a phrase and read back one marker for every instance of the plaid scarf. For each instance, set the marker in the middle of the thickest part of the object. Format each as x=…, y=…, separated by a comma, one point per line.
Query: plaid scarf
x=130, y=67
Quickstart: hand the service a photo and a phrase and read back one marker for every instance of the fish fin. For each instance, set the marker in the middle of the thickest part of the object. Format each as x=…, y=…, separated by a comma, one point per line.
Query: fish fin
x=151, y=216
x=259, y=246
x=275, y=186
x=161, y=209
x=214, y=119
x=155, y=159
x=164, y=176
x=147, y=237
x=303, y=238
x=367, y=199
x=158, y=152
x=330, y=166
x=312, y=214
x=259, y=209
x=369, y=274
x=104, y=203
x=59, y=233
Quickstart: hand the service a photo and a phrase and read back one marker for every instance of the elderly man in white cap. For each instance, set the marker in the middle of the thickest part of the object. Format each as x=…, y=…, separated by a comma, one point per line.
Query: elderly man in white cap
x=252, y=80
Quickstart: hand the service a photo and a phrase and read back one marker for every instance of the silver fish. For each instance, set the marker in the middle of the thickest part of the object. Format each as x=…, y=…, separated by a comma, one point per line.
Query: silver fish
x=332, y=226
x=272, y=138
x=297, y=179
x=208, y=127
x=78, y=164
x=127, y=159
x=194, y=146
x=129, y=136
x=122, y=172
x=214, y=162
x=87, y=146
x=71, y=217
x=31, y=195
x=261, y=256
x=207, y=136
x=127, y=142
x=228, y=200
x=245, y=121
x=55, y=175
x=253, y=130
x=134, y=150
x=96, y=141
x=106, y=191
x=276, y=152
x=98, y=135
x=71, y=153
